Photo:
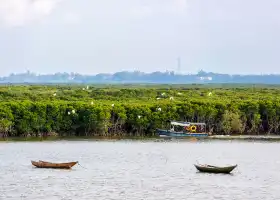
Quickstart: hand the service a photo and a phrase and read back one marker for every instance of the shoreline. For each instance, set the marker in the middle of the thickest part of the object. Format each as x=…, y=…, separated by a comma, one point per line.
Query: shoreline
x=95, y=138
x=246, y=137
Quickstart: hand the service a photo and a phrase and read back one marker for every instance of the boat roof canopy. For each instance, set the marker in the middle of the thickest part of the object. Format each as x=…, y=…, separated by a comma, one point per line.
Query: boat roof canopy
x=185, y=123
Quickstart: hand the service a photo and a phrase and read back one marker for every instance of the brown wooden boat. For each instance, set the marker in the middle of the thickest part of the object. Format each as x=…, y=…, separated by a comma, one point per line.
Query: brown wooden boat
x=44, y=164
x=215, y=169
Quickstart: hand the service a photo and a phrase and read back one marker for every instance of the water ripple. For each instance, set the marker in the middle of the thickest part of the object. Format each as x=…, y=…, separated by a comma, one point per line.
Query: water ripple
x=139, y=170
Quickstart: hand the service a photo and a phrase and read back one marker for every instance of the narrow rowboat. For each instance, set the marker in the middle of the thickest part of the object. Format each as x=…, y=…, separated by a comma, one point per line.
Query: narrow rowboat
x=43, y=164
x=215, y=169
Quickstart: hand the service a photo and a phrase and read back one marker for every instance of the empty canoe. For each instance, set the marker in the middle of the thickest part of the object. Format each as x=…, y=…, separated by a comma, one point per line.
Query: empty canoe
x=215, y=169
x=43, y=164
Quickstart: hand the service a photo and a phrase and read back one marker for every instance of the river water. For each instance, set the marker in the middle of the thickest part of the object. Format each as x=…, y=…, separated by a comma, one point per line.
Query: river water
x=137, y=170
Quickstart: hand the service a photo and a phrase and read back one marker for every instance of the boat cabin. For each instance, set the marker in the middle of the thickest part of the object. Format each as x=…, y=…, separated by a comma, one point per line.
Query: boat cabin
x=187, y=127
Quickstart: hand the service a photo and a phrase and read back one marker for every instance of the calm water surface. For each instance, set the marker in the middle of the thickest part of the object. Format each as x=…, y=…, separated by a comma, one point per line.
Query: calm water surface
x=137, y=170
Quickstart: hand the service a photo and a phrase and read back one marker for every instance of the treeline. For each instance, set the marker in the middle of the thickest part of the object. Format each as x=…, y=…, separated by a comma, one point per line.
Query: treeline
x=81, y=118
x=168, y=77
x=138, y=93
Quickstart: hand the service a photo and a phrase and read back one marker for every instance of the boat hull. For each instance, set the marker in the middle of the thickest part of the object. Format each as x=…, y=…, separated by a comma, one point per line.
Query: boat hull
x=174, y=134
x=43, y=164
x=215, y=169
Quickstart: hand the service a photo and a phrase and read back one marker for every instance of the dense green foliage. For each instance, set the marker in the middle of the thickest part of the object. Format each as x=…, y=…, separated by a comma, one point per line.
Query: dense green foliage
x=136, y=111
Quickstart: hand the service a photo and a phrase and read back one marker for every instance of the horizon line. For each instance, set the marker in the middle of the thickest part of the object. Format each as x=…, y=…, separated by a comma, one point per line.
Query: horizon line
x=138, y=71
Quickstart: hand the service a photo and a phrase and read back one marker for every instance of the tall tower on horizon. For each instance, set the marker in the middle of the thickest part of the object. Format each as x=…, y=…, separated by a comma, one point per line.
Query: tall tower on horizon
x=179, y=65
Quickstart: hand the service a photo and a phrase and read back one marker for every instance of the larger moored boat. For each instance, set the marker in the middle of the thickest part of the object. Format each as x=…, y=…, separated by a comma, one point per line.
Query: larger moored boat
x=183, y=129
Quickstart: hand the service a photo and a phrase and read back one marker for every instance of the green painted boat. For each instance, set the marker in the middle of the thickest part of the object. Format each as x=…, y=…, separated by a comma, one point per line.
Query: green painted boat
x=215, y=169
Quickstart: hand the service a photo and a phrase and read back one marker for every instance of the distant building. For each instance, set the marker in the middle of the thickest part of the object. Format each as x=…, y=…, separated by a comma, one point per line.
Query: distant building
x=207, y=78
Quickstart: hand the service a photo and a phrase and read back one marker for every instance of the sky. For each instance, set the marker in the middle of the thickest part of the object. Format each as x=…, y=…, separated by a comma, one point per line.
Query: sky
x=90, y=37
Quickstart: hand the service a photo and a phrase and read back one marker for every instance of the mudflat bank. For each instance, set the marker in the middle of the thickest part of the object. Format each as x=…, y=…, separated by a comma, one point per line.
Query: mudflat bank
x=95, y=138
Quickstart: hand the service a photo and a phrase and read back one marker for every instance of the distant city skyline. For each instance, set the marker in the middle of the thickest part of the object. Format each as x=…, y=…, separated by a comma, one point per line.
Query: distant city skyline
x=137, y=77
x=142, y=72
x=92, y=37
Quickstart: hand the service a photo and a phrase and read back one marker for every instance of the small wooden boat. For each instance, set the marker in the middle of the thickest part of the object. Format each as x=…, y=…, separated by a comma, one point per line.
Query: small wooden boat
x=215, y=169
x=44, y=164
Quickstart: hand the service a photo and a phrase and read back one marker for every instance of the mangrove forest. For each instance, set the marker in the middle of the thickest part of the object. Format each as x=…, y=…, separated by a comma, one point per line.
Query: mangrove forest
x=136, y=110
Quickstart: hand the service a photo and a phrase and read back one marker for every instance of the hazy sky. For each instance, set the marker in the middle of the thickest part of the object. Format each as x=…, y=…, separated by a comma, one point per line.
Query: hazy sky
x=89, y=37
